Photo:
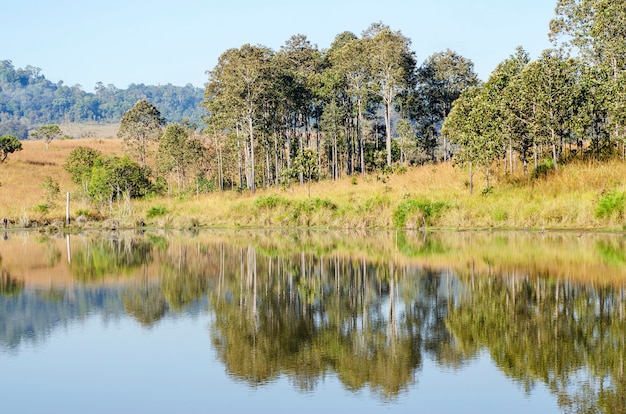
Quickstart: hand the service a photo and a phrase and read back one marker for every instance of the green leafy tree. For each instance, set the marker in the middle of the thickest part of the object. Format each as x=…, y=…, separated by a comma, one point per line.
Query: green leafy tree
x=440, y=81
x=79, y=164
x=305, y=164
x=8, y=145
x=549, y=85
x=47, y=133
x=139, y=128
x=351, y=63
x=393, y=69
x=473, y=125
x=237, y=87
x=114, y=177
x=179, y=153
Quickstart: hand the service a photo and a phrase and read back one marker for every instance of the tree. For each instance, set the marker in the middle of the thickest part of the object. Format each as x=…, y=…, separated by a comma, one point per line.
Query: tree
x=139, y=127
x=47, y=133
x=473, y=125
x=393, y=69
x=549, y=85
x=440, y=81
x=113, y=178
x=351, y=62
x=178, y=152
x=237, y=86
x=595, y=28
x=305, y=164
x=79, y=164
x=8, y=145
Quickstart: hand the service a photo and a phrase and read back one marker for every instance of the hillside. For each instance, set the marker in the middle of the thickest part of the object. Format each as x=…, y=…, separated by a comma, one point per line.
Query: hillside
x=436, y=196
x=28, y=99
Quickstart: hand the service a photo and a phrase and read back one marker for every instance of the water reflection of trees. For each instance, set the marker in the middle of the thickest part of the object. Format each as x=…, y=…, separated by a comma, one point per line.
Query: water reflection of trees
x=303, y=316
x=9, y=286
x=570, y=337
x=366, y=313
x=113, y=256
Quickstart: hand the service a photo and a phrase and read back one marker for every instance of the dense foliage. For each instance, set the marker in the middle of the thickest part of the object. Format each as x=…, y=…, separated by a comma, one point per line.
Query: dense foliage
x=28, y=99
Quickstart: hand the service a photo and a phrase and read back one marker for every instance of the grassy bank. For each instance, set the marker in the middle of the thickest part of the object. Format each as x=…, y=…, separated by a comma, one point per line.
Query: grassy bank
x=580, y=196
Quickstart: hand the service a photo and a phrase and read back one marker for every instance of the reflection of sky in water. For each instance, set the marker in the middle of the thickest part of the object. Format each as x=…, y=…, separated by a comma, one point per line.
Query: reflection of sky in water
x=98, y=366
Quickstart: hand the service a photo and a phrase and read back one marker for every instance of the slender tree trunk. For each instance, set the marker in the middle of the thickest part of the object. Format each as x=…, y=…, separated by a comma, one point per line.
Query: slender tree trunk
x=388, y=129
x=252, y=184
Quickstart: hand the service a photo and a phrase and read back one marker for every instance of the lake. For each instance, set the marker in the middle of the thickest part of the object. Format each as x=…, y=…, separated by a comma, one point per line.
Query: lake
x=312, y=321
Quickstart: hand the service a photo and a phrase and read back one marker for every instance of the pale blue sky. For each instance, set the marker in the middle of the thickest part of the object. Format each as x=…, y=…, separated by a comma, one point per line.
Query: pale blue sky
x=151, y=42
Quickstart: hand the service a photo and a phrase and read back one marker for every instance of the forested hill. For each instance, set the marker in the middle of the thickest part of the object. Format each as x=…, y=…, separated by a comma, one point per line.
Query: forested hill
x=28, y=99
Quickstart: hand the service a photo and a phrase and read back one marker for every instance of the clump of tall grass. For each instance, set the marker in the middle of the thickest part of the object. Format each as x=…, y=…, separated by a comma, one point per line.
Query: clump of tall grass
x=611, y=205
x=156, y=211
x=425, y=210
x=270, y=202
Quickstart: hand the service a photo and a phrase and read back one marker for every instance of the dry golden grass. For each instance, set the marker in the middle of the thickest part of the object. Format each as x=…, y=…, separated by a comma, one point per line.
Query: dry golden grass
x=565, y=200
x=90, y=130
x=22, y=174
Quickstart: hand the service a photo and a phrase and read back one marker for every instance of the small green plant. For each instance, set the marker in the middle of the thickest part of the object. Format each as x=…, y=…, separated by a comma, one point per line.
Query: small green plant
x=51, y=189
x=611, y=204
x=156, y=211
x=82, y=212
x=354, y=180
x=544, y=168
x=42, y=208
x=500, y=214
x=270, y=202
x=428, y=209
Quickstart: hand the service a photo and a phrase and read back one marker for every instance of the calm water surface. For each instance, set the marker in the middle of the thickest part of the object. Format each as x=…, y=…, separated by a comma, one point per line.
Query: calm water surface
x=310, y=321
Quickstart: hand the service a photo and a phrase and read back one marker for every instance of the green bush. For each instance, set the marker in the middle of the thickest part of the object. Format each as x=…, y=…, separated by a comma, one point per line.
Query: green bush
x=270, y=202
x=611, y=204
x=428, y=209
x=156, y=211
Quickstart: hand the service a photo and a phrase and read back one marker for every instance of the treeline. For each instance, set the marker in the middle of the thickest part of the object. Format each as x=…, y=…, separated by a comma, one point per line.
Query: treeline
x=569, y=103
x=28, y=99
x=364, y=104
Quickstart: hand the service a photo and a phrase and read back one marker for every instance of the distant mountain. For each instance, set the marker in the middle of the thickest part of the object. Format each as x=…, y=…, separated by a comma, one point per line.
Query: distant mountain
x=28, y=99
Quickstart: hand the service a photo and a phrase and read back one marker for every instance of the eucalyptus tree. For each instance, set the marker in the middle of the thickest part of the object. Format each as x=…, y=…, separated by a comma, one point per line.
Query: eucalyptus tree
x=141, y=126
x=237, y=85
x=298, y=64
x=474, y=126
x=393, y=69
x=440, y=80
x=594, y=28
x=336, y=120
x=179, y=152
x=596, y=31
x=549, y=85
x=352, y=62
x=514, y=115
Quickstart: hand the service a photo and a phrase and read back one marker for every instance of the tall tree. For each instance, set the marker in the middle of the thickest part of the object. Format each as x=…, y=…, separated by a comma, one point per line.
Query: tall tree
x=595, y=28
x=440, y=81
x=351, y=62
x=393, y=69
x=549, y=85
x=178, y=153
x=139, y=127
x=237, y=85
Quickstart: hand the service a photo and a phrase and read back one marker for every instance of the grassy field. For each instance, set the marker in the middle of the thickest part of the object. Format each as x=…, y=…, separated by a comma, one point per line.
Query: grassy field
x=581, y=196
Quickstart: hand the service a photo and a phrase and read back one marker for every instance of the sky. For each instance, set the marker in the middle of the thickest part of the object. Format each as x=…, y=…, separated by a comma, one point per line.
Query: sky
x=155, y=42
